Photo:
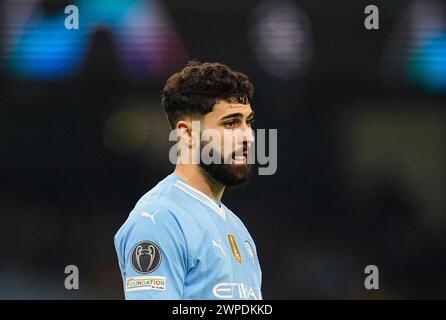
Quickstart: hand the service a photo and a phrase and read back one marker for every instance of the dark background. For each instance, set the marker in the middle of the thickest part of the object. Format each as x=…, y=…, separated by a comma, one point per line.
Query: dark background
x=361, y=139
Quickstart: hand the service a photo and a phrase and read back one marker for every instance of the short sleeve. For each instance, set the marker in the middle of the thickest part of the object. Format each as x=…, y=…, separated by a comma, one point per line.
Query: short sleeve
x=152, y=255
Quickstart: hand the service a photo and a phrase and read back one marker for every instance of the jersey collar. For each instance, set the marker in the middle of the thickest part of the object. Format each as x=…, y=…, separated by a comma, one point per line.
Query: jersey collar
x=200, y=196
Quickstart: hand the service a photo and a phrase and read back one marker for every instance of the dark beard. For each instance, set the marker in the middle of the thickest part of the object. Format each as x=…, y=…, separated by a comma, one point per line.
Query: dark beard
x=229, y=175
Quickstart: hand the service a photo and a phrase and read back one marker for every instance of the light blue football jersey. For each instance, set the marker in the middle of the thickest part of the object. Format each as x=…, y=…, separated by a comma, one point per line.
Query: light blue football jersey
x=178, y=243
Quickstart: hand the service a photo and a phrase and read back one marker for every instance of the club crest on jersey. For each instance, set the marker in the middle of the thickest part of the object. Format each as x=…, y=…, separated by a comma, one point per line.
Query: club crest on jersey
x=250, y=251
x=146, y=257
x=234, y=248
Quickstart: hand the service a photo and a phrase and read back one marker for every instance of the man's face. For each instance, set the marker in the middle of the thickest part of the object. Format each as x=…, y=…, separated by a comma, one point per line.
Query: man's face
x=233, y=122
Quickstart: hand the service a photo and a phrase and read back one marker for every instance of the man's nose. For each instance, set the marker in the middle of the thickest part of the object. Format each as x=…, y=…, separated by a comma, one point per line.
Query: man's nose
x=248, y=135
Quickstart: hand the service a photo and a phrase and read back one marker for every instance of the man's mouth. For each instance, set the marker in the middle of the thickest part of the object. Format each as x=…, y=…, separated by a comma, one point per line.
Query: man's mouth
x=240, y=158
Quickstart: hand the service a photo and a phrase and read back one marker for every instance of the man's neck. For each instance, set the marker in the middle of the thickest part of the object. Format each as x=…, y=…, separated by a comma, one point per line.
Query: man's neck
x=194, y=176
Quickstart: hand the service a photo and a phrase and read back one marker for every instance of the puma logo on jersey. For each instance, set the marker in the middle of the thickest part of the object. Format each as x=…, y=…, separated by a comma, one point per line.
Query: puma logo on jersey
x=219, y=245
x=150, y=216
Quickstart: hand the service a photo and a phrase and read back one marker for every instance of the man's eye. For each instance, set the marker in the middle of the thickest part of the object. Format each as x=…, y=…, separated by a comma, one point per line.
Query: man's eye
x=230, y=124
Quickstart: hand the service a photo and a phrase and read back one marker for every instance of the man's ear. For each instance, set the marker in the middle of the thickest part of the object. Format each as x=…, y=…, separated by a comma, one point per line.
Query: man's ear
x=188, y=130
x=184, y=129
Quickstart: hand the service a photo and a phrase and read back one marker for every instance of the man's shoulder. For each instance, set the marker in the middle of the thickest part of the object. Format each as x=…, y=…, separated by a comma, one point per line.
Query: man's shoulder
x=160, y=209
x=163, y=197
x=166, y=209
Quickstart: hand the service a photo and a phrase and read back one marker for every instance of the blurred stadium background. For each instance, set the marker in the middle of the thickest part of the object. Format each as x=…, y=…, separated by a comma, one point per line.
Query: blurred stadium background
x=361, y=124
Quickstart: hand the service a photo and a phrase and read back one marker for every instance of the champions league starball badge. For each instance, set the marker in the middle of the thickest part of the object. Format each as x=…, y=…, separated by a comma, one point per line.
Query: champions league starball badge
x=146, y=257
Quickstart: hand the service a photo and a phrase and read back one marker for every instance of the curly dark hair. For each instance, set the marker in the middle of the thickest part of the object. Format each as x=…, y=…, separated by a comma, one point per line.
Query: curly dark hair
x=194, y=90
